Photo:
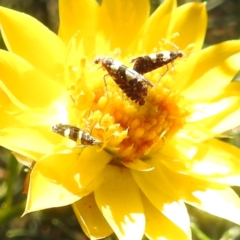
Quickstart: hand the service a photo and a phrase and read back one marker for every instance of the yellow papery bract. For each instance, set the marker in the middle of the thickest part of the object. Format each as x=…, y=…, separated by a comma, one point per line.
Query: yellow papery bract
x=61, y=181
x=57, y=112
x=212, y=109
x=26, y=153
x=229, y=122
x=187, y=28
x=74, y=171
x=225, y=120
x=47, y=193
x=223, y=203
x=221, y=122
x=90, y=218
x=25, y=86
x=162, y=196
x=155, y=28
x=195, y=132
x=7, y=119
x=204, y=64
x=32, y=47
x=213, y=160
x=225, y=157
x=138, y=165
x=185, y=185
x=118, y=198
x=72, y=17
x=91, y=157
x=160, y=227
x=134, y=13
x=4, y=99
x=20, y=136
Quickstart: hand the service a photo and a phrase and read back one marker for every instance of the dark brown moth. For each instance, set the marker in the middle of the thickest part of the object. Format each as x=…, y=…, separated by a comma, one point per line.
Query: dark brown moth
x=147, y=63
x=132, y=83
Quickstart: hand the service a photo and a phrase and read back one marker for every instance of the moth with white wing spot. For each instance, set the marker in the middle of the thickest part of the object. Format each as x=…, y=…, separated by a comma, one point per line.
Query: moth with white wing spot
x=75, y=134
x=147, y=63
x=133, y=84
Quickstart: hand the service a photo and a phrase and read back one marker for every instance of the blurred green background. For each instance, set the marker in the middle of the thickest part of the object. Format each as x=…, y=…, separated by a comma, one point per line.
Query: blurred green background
x=60, y=223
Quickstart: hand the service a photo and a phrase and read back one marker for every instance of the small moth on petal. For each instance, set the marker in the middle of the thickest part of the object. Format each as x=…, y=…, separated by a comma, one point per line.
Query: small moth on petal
x=133, y=84
x=75, y=134
x=147, y=63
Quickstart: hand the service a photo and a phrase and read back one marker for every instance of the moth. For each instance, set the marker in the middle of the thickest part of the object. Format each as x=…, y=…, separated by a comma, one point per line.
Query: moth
x=75, y=134
x=147, y=63
x=132, y=83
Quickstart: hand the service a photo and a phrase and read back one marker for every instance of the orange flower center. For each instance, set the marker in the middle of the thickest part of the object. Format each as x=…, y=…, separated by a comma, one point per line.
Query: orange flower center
x=127, y=130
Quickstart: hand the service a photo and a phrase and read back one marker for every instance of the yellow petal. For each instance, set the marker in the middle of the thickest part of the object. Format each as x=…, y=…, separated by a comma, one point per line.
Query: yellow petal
x=75, y=171
x=185, y=184
x=217, y=62
x=56, y=181
x=229, y=120
x=120, y=203
x=46, y=193
x=4, y=100
x=90, y=218
x=186, y=19
x=7, y=120
x=177, y=213
x=22, y=139
x=163, y=196
x=137, y=164
x=213, y=109
x=229, y=117
x=91, y=163
x=24, y=85
x=44, y=50
x=27, y=153
x=155, y=219
x=153, y=178
x=222, y=203
x=212, y=160
x=122, y=18
x=56, y=113
x=156, y=27
x=178, y=153
x=223, y=160
x=195, y=132
x=79, y=16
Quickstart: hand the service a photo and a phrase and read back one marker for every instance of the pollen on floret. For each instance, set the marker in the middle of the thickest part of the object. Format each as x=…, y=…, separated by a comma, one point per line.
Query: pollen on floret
x=102, y=102
x=138, y=132
x=135, y=123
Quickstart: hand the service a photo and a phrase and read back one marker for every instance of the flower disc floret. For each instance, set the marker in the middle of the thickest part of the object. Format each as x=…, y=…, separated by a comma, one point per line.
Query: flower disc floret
x=133, y=131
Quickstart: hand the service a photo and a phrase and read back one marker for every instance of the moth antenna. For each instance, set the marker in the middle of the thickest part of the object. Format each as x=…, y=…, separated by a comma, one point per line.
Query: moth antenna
x=170, y=43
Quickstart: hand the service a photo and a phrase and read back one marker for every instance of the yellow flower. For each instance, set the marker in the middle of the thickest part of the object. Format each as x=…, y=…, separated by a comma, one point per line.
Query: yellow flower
x=152, y=158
